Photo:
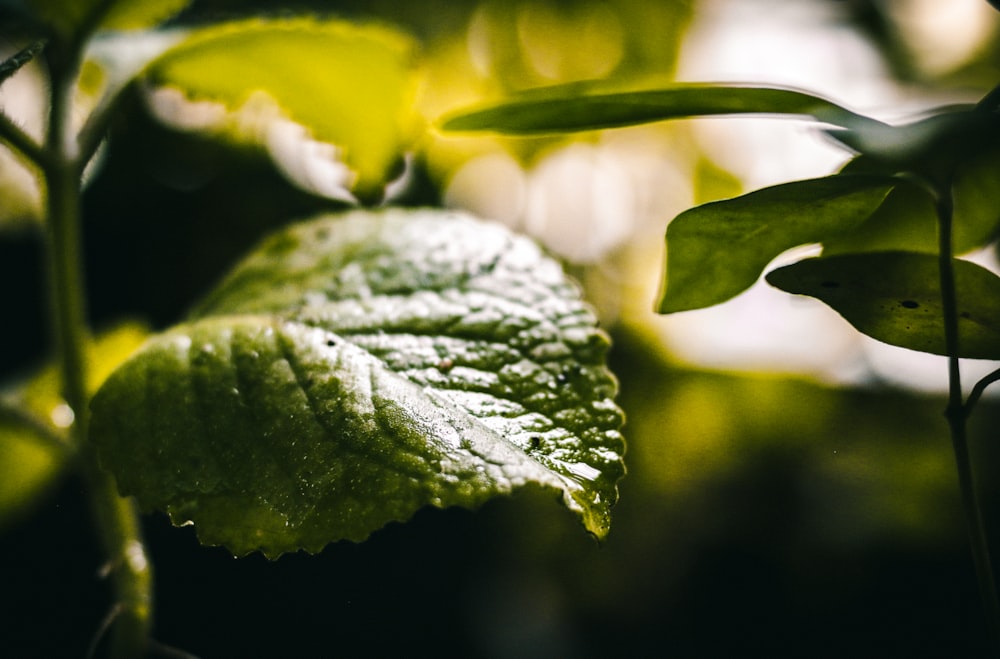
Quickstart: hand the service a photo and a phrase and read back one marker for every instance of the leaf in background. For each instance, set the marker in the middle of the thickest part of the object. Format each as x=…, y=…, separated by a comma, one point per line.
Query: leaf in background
x=719, y=249
x=30, y=462
x=349, y=85
x=74, y=18
x=34, y=448
x=357, y=368
x=895, y=297
x=568, y=108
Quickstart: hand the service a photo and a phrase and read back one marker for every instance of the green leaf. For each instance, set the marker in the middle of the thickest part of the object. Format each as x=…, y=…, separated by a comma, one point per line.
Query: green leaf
x=895, y=297
x=349, y=85
x=568, y=108
x=907, y=221
x=719, y=249
x=30, y=461
x=354, y=369
x=76, y=18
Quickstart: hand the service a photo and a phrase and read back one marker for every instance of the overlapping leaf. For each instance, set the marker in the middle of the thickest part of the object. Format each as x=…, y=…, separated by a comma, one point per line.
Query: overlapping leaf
x=357, y=368
x=895, y=297
x=349, y=85
x=719, y=249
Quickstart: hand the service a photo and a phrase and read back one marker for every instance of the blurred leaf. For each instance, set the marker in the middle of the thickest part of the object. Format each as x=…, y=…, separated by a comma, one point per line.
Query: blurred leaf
x=76, y=18
x=30, y=461
x=42, y=396
x=718, y=250
x=895, y=297
x=357, y=368
x=33, y=420
x=933, y=147
x=575, y=107
x=349, y=85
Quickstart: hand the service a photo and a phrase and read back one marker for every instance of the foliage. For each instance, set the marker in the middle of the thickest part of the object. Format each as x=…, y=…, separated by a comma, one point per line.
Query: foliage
x=358, y=368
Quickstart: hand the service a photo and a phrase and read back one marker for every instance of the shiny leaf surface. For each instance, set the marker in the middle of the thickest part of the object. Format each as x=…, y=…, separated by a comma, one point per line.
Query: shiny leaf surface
x=357, y=368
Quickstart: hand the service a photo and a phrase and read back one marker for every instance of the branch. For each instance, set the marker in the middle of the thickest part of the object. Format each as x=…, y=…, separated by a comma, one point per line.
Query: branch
x=19, y=59
x=977, y=391
x=14, y=136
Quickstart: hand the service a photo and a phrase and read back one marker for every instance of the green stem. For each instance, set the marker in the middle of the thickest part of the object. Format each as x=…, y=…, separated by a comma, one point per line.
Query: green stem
x=116, y=519
x=956, y=414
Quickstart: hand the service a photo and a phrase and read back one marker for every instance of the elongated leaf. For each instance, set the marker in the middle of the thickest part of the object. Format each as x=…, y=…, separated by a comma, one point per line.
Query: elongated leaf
x=719, y=249
x=349, y=85
x=357, y=368
x=895, y=297
x=34, y=446
x=571, y=108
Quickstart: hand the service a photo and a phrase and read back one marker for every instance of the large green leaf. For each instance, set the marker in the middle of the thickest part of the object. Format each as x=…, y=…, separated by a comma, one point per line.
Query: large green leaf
x=719, y=249
x=356, y=368
x=895, y=297
x=568, y=108
x=349, y=85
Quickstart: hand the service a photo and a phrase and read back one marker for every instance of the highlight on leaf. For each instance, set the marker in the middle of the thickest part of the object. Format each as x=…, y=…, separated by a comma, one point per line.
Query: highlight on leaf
x=406, y=359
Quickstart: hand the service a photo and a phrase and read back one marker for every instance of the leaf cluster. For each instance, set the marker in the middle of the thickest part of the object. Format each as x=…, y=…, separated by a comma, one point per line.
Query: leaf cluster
x=878, y=219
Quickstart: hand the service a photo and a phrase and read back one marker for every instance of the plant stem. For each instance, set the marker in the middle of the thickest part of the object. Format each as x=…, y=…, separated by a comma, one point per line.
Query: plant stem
x=956, y=415
x=116, y=518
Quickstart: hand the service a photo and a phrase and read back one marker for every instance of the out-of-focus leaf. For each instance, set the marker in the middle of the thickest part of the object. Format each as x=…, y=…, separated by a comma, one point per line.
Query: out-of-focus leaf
x=73, y=18
x=34, y=448
x=349, y=85
x=575, y=107
x=933, y=146
x=895, y=297
x=718, y=250
x=357, y=368
x=42, y=396
x=30, y=461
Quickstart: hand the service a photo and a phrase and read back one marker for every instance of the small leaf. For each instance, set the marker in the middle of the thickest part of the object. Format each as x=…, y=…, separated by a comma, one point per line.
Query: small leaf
x=354, y=369
x=349, y=85
x=895, y=297
x=719, y=249
x=568, y=108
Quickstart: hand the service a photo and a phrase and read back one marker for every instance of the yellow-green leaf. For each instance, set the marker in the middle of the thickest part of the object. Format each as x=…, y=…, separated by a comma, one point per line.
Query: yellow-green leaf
x=349, y=85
